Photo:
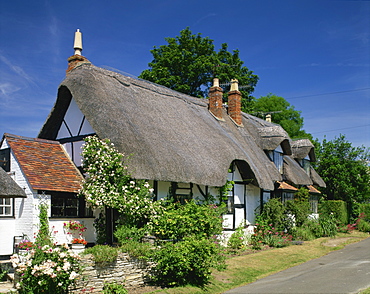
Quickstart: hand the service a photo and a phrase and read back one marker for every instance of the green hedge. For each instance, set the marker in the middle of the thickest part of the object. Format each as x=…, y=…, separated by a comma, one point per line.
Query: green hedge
x=365, y=209
x=336, y=207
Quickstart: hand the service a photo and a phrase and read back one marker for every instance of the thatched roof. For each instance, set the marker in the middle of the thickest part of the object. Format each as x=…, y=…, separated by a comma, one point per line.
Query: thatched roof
x=268, y=135
x=294, y=173
x=171, y=136
x=317, y=180
x=302, y=148
x=9, y=188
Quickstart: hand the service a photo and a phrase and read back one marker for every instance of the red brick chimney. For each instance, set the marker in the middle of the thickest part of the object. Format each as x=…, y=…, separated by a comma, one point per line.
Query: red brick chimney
x=215, y=99
x=235, y=103
x=77, y=58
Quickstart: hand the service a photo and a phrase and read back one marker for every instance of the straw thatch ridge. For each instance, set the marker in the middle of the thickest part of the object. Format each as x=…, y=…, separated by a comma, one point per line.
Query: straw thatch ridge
x=9, y=188
x=303, y=148
x=171, y=136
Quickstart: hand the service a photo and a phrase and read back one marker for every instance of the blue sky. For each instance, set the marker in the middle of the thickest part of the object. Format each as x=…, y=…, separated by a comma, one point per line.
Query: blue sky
x=315, y=54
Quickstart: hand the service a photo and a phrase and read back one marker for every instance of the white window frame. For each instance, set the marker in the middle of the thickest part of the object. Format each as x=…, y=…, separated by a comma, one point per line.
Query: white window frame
x=4, y=207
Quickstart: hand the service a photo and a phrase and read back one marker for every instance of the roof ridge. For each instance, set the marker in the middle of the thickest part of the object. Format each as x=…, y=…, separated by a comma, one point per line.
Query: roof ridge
x=7, y=135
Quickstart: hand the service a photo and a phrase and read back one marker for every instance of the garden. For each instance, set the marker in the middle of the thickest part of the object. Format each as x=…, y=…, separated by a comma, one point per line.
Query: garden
x=187, y=241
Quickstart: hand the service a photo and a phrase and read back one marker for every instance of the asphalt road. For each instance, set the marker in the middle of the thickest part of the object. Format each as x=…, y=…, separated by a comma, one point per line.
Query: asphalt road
x=342, y=271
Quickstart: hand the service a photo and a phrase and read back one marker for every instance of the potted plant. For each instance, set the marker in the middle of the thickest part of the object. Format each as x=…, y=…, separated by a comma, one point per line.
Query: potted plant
x=78, y=245
x=24, y=246
x=74, y=226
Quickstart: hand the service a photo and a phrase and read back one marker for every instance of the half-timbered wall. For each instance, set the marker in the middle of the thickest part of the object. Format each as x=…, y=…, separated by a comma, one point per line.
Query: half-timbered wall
x=72, y=132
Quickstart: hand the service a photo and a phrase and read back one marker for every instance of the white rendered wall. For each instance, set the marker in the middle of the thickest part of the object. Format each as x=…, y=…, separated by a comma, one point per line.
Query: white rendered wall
x=23, y=220
x=74, y=118
x=26, y=215
x=253, y=200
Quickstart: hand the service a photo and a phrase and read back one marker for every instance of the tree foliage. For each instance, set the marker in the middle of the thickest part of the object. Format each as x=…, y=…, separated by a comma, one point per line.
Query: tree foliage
x=188, y=64
x=283, y=113
x=345, y=169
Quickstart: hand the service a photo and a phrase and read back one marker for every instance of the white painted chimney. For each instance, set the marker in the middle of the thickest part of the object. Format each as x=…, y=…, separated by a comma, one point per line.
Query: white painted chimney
x=78, y=42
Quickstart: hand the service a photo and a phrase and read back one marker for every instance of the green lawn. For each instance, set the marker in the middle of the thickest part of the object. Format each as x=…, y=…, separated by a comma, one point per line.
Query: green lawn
x=245, y=269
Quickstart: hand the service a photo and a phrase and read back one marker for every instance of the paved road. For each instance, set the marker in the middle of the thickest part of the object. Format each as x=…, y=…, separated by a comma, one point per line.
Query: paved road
x=342, y=271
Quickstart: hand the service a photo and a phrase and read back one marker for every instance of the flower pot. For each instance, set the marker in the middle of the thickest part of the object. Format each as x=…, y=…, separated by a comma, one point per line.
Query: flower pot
x=22, y=253
x=78, y=248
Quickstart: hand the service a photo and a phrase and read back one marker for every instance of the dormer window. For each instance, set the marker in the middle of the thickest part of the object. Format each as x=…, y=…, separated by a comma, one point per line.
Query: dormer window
x=277, y=158
x=305, y=164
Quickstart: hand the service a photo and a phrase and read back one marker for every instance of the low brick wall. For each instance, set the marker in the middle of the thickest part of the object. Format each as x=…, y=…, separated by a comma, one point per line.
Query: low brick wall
x=126, y=270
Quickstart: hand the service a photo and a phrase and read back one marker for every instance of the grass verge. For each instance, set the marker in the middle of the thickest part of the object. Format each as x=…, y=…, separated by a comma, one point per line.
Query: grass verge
x=245, y=269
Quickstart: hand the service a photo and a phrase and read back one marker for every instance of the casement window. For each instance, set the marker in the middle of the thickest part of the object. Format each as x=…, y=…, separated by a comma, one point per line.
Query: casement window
x=306, y=165
x=181, y=192
x=68, y=205
x=314, y=202
x=277, y=158
x=6, y=207
x=5, y=159
x=230, y=203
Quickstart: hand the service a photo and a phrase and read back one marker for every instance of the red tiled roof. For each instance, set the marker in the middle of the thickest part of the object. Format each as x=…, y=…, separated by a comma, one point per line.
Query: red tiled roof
x=45, y=164
x=312, y=189
x=286, y=186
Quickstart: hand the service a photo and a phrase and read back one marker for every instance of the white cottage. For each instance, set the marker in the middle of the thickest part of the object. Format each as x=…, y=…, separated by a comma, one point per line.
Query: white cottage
x=184, y=146
x=46, y=174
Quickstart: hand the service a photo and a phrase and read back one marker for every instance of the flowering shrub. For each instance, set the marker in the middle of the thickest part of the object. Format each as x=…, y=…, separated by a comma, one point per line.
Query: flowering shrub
x=79, y=241
x=109, y=183
x=238, y=239
x=266, y=234
x=73, y=225
x=25, y=244
x=47, y=269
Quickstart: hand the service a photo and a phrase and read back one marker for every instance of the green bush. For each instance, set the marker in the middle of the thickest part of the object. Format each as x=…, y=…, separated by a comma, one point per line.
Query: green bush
x=114, y=288
x=328, y=225
x=103, y=254
x=302, y=233
x=336, y=208
x=365, y=209
x=300, y=209
x=126, y=234
x=274, y=213
x=180, y=221
x=138, y=249
x=363, y=225
x=186, y=262
x=238, y=240
x=315, y=227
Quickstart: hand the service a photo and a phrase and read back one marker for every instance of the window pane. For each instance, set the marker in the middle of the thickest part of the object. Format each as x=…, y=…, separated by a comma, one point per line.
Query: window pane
x=1, y=210
x=8, y=210
x=7, y=201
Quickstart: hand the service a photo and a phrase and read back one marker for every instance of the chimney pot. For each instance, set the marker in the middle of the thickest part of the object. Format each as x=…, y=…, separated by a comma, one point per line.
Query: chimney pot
x=215, y=99
x=78, y=42
x=235, y=103
x=77, y=59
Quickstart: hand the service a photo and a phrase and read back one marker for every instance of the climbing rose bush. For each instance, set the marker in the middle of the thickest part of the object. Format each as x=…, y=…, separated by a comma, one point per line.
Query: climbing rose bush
x=109, y=184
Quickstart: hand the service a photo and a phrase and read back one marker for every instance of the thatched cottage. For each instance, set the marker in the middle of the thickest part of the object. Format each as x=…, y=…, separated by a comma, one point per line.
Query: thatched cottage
x=183, y=145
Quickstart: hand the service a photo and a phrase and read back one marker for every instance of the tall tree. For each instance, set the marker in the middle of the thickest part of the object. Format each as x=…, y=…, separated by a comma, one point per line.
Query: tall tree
x=345, y=169
x=188, y=64
x=282, y=113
